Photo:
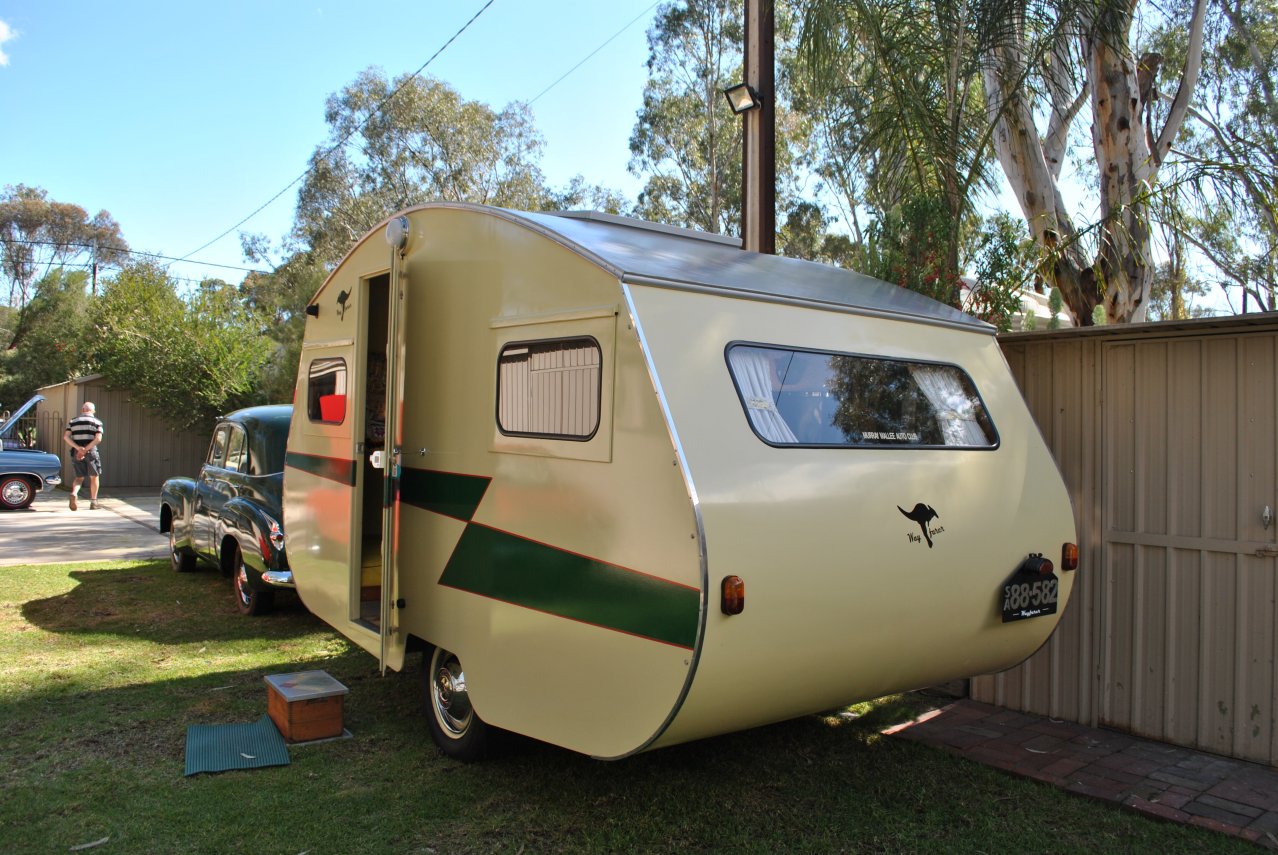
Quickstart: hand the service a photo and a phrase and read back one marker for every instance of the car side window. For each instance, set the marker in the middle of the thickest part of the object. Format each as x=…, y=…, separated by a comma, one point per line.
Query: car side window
x=217, y=449
x=237, y=451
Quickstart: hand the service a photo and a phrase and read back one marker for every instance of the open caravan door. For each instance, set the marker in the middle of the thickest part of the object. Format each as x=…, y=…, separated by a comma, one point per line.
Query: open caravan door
x=392, y=638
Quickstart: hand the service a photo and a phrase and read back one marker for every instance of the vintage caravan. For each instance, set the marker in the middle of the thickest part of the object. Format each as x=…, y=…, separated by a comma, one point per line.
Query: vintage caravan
x=627, y=485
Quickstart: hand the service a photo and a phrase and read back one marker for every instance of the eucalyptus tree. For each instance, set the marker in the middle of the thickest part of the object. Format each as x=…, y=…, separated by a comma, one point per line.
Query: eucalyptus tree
x=397, y=143
x=1036, y=59
x=686, y=142
x=1226, y=173
x=38, y=235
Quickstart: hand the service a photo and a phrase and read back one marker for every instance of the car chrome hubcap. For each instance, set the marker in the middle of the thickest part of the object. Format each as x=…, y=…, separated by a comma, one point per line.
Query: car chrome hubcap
x=241, y=585
x=449, y=696
x=16, y=492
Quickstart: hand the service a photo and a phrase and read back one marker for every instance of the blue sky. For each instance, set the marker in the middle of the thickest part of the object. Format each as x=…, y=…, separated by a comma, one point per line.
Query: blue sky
x=180, y=119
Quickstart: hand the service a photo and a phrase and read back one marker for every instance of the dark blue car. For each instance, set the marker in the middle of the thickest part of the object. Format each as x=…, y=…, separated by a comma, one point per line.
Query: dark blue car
x=231, y=515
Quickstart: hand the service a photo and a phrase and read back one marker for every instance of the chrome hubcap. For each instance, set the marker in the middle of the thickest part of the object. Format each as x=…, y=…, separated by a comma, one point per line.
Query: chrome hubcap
x=241, y=585
x=448, y=693
x=16, y=492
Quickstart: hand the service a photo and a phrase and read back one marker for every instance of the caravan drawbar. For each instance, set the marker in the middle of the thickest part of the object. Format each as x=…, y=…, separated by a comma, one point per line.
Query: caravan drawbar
x=627, y=485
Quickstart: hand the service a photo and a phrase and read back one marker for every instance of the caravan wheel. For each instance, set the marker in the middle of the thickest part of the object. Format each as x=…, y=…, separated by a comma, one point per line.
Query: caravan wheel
x=456, y=729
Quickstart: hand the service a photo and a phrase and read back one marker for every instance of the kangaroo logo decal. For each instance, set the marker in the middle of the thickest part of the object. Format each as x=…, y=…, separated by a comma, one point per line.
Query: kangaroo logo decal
x=922, y=514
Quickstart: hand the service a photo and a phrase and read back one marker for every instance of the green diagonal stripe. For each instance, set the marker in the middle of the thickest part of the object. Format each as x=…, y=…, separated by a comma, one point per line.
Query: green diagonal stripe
x=445, y=493
x=332, y=468
x=515, y=570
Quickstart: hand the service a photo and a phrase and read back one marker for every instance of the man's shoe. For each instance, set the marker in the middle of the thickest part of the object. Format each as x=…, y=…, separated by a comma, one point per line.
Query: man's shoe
x=73, y=504
x=93, y=506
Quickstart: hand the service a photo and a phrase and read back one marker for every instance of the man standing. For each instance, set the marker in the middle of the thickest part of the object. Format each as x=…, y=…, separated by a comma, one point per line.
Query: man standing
x=82, y=436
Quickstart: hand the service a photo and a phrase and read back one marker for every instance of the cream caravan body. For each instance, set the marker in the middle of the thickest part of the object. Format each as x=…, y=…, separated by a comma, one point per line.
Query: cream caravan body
x=542, y=442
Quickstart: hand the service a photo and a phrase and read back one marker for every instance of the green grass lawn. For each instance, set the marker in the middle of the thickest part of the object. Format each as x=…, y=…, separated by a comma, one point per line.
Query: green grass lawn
x=102, y=667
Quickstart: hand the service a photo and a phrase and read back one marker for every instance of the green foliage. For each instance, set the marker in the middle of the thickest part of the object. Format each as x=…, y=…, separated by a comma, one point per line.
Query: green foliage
x=804, y=234
x=906, y=247
x=189, y=359
x=1224, y=180
x=1055, y=304
x=687, y=142
x=53, y=337
x=279, y=298
x=37, y=235
x=385, y=154
x=1003, y=267
x=894, y=87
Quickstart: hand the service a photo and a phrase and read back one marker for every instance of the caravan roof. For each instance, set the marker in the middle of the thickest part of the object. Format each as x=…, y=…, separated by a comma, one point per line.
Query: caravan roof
x=652, y=254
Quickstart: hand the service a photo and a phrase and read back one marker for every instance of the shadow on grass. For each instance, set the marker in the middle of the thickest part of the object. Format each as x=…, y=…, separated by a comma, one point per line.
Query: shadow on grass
x=151, y=601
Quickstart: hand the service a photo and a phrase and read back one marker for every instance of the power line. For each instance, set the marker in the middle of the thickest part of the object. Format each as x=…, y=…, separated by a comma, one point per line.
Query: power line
x=348, y=135
x=101, y=248
x=592, y=53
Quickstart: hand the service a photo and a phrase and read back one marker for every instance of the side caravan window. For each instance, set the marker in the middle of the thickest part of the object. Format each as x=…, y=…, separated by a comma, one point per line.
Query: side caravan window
x=326, y=391
x=550, y=389
x=806, y=398
x=554, y=384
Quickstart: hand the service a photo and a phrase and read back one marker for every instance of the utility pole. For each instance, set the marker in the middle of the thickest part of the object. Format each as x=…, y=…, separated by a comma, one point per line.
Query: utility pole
x=94, y=250
x=759, y=140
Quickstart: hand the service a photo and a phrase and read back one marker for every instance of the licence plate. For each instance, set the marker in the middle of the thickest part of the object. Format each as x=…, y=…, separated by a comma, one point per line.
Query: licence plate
x=1029, y=595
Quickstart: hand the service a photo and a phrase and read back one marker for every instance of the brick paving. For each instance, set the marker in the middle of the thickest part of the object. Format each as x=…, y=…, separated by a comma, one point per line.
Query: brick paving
x=1164, y=781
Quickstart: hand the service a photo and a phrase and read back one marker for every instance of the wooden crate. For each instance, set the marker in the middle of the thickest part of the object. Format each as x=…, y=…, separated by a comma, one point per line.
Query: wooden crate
x=306, y=705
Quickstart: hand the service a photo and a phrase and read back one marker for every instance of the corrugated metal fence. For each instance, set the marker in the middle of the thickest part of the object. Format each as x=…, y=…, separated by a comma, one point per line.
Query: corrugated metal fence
x=139, y=449
x=1165, y=434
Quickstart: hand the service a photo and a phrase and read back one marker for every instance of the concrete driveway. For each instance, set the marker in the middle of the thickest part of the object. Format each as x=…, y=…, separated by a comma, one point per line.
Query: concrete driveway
x=126, y=527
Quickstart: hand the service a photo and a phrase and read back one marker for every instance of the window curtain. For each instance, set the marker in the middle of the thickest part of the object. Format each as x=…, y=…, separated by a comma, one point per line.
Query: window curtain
x=953, y=408
x=753, y=372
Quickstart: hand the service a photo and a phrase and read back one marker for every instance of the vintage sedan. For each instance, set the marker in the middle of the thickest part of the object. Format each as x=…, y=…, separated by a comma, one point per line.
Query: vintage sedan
x=24, y=469
x=230, y=515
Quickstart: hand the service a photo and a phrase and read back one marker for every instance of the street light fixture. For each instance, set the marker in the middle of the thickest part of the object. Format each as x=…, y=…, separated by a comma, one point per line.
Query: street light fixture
x=742, y=98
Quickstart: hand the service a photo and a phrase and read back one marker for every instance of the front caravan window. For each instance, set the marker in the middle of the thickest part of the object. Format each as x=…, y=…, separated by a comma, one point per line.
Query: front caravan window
x=812, y=398
x=549, y=388
x=326, y=391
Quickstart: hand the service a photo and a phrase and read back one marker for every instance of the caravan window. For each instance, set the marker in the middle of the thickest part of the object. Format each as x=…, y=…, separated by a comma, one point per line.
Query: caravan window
x=811, y=398
x=549, y=388
x=326, y=391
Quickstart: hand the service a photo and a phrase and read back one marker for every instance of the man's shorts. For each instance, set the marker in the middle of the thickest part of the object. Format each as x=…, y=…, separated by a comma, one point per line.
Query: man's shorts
x=90, y=465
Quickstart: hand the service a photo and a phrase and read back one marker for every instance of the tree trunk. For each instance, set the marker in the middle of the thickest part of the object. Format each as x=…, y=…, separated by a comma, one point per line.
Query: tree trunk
x=1020, y=151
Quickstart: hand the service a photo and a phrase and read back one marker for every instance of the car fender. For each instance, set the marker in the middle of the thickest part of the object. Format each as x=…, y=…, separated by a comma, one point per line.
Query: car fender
x=250, y=525
x=178, y=495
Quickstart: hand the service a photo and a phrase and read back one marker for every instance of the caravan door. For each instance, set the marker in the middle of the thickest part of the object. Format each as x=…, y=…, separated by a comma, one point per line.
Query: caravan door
x=391, y=654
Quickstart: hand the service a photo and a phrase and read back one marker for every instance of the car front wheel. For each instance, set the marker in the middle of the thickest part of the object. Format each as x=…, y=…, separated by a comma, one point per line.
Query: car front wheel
x=249, y=598
x=16, y=492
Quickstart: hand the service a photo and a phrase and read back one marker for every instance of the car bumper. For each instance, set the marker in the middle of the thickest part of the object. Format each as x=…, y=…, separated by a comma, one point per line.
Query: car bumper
x=52, y=481
x=279, y=578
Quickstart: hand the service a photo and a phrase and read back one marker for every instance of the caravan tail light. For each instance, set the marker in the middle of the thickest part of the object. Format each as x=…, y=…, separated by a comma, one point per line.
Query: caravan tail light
x=733, y=590
x=1037, y=564
x=1069, y=556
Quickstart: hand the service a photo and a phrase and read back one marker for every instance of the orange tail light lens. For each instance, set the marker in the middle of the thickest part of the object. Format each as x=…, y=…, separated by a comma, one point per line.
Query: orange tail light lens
x=733, y=595
x=1069, y=556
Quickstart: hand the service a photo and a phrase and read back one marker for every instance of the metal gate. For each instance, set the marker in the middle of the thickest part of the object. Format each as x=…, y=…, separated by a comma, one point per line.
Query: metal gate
x=1166, y=435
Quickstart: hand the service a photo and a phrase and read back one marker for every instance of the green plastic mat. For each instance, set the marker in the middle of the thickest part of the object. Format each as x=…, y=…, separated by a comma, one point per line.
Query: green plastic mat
x=220, y=747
